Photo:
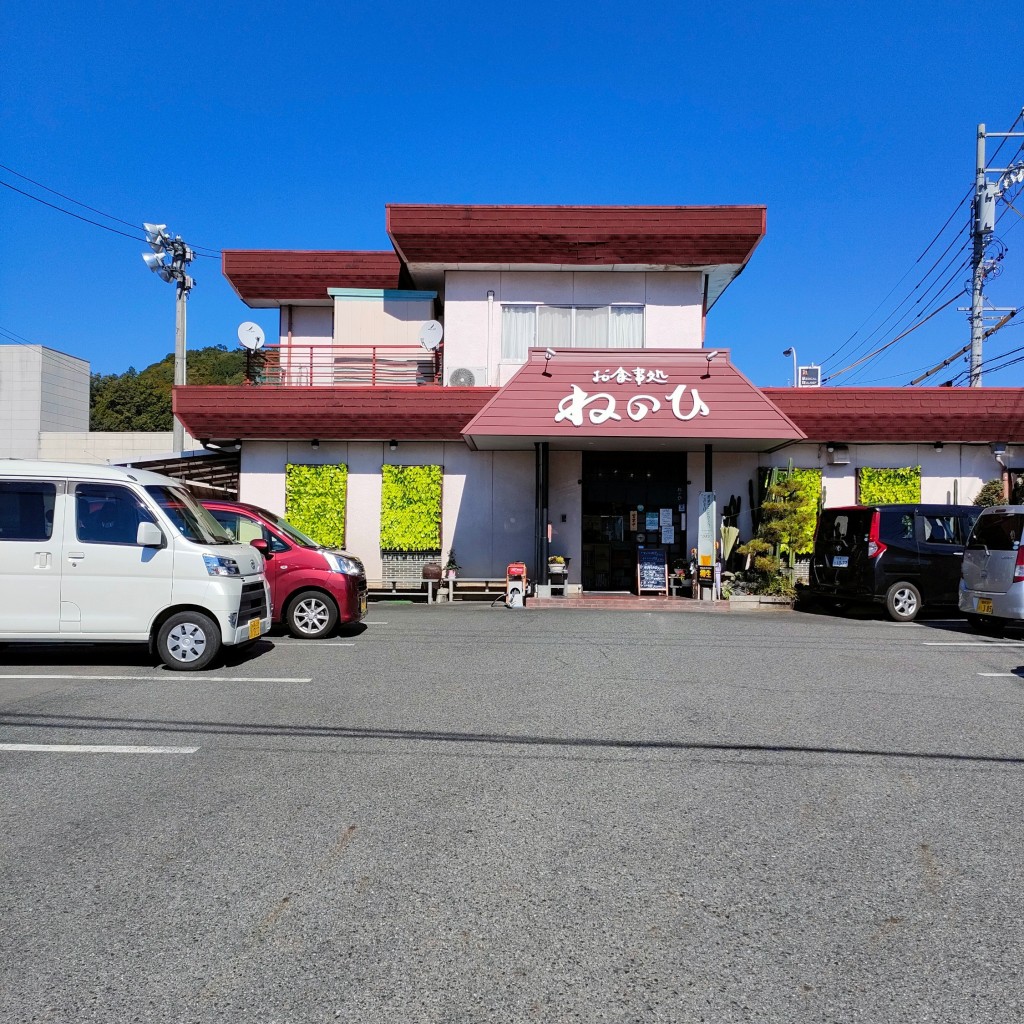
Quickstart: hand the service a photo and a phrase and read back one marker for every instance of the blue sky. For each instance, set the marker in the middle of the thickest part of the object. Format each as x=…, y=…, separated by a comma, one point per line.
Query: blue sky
x=290, y=126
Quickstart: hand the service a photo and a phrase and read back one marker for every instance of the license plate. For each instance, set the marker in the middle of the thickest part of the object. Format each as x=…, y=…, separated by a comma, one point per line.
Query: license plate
x=984, y=605
x=254, y=628
x=840, y=561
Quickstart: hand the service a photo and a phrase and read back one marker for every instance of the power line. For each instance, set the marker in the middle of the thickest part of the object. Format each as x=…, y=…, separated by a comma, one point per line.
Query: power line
x=924, y=253
x=53, y=191
x=209, y=254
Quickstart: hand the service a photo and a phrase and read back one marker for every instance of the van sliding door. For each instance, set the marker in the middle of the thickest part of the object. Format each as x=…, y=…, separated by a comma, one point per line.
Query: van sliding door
x=31, y=520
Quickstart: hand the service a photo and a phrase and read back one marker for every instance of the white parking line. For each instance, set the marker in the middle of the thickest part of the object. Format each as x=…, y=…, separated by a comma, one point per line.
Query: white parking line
x=975, y=643
x=87, y=748
x=309, y=643
x=1001, y=675
x=169, y=675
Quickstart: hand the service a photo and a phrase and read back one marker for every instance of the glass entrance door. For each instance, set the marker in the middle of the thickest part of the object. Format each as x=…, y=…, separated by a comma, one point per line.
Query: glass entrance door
x=630, y=499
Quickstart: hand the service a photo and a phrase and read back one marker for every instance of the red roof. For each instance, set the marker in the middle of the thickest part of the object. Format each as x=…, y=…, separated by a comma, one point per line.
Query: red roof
x=673, y=236
x=269, y=277
x=347, y=413
x=669, y=398
x=851, y=415
x=894, y=415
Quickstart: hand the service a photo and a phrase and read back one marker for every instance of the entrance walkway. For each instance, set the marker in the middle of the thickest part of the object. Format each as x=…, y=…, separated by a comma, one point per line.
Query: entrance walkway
x=628, y=602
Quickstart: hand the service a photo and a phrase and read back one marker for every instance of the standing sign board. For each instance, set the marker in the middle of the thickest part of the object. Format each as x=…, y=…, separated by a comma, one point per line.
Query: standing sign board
x=651, y=570
x=706, y=539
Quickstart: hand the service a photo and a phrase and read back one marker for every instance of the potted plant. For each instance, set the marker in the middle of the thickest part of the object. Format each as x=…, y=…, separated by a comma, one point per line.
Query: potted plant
x=557, y=565
x=451, y=567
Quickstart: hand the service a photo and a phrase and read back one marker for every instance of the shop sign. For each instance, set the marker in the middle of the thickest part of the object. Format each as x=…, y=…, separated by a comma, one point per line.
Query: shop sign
x=683, y=402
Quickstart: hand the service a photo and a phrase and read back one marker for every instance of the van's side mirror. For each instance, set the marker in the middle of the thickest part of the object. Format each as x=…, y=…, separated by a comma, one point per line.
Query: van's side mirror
x=261, y=546
x=149, y=535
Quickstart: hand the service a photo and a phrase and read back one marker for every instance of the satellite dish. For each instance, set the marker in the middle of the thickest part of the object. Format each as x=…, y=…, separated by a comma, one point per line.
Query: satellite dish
x=251, y=336
x=430, y=335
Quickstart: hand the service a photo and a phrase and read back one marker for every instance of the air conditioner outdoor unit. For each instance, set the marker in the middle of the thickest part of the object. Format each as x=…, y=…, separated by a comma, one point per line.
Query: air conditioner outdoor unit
x=838, y=455
x=468, y=377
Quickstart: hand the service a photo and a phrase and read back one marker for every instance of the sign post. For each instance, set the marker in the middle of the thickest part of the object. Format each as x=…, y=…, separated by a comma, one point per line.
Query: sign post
x=706, y=540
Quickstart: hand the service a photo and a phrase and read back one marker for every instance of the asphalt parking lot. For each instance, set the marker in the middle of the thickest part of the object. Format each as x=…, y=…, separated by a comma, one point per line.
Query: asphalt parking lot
x=476, y=814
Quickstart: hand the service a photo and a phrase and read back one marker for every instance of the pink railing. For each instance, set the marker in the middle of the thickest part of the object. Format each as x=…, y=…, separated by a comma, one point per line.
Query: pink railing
x=339, y=365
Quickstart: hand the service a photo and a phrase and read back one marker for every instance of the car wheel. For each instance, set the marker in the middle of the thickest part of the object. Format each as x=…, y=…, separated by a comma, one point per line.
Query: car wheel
x=903, y=602
x=188, y=641
x=311, y=615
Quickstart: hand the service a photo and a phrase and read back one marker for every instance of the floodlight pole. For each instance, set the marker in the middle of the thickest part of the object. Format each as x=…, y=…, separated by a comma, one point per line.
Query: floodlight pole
x=181, y=256
x=179, y=359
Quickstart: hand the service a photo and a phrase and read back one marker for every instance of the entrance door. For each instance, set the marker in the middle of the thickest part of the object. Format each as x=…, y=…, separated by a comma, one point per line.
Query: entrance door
x=631, y=499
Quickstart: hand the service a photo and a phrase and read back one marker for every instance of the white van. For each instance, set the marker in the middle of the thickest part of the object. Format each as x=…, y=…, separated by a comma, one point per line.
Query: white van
x=100, y=553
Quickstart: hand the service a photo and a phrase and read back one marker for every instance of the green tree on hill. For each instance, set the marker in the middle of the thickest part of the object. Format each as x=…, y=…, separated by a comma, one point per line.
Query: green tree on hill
x=141, y=400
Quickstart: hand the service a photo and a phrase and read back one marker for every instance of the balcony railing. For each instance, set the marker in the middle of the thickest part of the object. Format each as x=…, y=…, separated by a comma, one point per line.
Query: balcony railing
x=341, y=365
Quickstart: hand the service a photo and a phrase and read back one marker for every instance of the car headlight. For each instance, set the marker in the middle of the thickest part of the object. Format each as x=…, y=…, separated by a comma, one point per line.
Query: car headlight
x=218, y=565
x=343, y=564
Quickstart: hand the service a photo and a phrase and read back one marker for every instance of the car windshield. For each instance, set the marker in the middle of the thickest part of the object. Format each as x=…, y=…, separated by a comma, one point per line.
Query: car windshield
x=189, y=517
x=283, y=526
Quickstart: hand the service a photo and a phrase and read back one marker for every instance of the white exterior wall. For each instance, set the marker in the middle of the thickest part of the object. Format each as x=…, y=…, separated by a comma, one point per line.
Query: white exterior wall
x=64, y=389
x=673, y=304
x=487, y=497
x=488, y=500
x=113, y=447
x=952, y=476
x=40, y=389
x=380, y=321
x=310, y=325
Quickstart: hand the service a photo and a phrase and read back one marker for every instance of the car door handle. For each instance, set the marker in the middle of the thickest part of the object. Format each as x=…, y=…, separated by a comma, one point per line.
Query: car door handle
x=72, y=555
x=957, y=552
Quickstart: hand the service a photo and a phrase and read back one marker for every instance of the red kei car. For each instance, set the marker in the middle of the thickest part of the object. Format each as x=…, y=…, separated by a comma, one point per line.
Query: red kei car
x=314, y=589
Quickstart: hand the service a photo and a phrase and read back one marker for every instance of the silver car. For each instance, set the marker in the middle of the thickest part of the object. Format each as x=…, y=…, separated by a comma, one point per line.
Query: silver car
x=992, y=574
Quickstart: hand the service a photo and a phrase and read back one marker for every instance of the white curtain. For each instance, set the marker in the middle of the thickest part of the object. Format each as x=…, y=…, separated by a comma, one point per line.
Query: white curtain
x=554, y=327
x=591, y=327
x=517, y=332
x=626, y=327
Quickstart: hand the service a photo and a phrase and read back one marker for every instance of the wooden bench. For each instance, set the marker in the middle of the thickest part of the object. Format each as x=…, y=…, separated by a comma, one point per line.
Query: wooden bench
x=470, y=587
x=427, y=589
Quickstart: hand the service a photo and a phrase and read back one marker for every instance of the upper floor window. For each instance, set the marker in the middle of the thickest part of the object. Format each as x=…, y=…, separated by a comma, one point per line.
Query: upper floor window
x=525, y=326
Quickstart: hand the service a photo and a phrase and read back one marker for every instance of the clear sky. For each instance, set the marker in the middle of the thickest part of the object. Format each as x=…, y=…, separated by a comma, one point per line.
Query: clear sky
x=263, y=125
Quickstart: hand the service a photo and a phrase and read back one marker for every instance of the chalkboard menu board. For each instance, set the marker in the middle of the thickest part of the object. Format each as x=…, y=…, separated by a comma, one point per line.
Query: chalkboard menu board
x=651, y=570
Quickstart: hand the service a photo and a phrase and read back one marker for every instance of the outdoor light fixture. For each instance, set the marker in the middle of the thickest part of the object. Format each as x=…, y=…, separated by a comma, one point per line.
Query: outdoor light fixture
x=315, y=443
x=393, y=445
x=998, y=448
x=169, y=258
x=709, y=356
x=549, y=354
x=791, y=351
x=222, y=446
x=937, y=446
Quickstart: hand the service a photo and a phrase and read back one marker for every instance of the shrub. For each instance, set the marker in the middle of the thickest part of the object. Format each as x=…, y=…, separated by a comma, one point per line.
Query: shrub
x=991, y=493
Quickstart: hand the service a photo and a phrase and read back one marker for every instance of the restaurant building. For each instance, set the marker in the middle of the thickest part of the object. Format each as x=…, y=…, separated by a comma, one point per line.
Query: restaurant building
x=572, y=405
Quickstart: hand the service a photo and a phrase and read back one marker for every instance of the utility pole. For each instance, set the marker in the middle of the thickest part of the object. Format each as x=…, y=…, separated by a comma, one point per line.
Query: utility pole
x=983, y=225
x=984, y=222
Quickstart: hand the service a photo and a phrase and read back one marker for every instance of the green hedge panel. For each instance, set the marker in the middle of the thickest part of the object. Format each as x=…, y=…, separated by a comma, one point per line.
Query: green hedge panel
x=888, y=486
x=410, y=508
x=314, y=501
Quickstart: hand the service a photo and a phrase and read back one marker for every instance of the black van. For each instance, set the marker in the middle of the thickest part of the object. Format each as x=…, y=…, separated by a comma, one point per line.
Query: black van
x=905, y=557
